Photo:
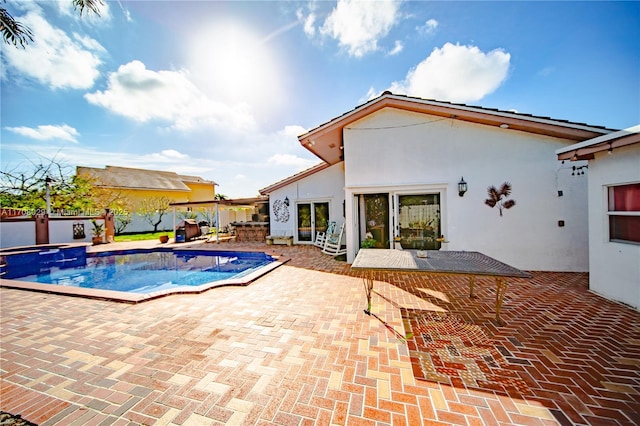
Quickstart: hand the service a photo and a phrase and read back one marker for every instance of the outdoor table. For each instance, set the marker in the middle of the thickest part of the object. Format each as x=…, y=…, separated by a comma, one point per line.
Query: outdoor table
x=443, y=262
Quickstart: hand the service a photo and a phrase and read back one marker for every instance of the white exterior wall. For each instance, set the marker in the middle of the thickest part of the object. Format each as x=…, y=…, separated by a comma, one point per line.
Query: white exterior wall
x=324, y=186
x=614, y=267
x=393, y=150
x=61, y=230
x=17, y=234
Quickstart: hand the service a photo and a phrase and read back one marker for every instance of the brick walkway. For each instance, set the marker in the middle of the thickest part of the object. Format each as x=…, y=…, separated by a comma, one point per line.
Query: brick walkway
x=296, y=348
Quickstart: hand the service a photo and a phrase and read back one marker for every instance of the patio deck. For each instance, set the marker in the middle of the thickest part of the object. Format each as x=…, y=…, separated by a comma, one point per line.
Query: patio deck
x=296, y=348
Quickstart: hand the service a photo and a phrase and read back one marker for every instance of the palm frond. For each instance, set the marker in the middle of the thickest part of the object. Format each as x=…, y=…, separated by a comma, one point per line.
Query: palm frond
x=493, y=193
x=505, y=189
x=508, y=204
x=13, y=32
x=92, y=5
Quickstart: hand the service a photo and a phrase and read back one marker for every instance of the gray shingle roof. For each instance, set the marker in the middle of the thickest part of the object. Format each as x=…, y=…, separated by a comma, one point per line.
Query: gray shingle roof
x=129, y=178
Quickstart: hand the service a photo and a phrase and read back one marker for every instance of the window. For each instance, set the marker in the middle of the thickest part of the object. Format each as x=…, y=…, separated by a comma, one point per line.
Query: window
x=624, y=213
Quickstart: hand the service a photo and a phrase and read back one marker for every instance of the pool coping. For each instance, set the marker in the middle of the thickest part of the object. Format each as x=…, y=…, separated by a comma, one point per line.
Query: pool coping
x=124, y=297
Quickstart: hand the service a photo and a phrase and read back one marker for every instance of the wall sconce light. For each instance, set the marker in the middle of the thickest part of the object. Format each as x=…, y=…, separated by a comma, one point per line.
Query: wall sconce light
x=462, y=187
x=610, y=150
x=286, y=200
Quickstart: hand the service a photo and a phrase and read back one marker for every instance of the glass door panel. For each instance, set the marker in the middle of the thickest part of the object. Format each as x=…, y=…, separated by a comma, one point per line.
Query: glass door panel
x=312, y=217
x=304, y=222
x=419, y=221
x=320, y=217
x=376, y=219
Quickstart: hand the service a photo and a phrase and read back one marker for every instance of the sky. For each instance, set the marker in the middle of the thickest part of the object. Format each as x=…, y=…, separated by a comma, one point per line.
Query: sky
x=222, y=89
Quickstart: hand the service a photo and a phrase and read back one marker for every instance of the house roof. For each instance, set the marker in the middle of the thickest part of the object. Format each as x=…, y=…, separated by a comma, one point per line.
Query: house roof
x=129, y=178
x=196, y=179
x=585, y=150
x=326, y=140
x=294, y=178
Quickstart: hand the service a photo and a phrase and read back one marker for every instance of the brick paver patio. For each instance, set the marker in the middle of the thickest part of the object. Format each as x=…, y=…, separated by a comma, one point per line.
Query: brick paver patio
x=296, y=348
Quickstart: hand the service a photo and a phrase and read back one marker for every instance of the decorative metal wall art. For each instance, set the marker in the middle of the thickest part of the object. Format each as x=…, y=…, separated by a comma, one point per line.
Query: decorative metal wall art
x=281, y=210
x=497, y=197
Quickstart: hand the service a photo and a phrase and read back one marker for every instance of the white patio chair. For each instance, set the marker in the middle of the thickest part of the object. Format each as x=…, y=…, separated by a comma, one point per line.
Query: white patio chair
x=333, y=243
x=321, y=237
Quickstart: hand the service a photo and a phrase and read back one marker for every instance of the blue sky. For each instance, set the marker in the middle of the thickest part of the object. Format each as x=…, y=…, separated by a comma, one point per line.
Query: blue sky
x=221, y=89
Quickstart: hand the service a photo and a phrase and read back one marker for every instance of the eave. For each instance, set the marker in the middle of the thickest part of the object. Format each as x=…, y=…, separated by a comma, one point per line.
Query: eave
x=326, y=141
x=587, y=149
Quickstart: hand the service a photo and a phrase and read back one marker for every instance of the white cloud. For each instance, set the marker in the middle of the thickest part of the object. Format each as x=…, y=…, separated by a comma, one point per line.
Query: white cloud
x=397, y=48
x=293, y=131
x=169, y=154
x=143, y=95
x=291, y=160
x=54, y=58
x=47, y=132
x=456, y=73
x=309, y=22
x=429, y=27
x=546, y=72
x=359, y=25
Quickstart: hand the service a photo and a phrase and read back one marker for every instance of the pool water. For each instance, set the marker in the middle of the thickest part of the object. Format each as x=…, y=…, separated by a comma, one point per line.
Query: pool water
x=142, y=271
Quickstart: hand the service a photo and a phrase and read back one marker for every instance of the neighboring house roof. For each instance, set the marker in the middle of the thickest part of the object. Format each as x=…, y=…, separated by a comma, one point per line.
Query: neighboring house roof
x=325, y=141
x=585, y=150
x=128, y=178
x=286, y=181
x=196, y=179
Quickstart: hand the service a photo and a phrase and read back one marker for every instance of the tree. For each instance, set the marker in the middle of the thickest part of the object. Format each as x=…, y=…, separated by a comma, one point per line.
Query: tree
x=26, y=189
x=123, y=219
x=70, y=194
x=497, y=197
x=16, y=33
x=153, y=209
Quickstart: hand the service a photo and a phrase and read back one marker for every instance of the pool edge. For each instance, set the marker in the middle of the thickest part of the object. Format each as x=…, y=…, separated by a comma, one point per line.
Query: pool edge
x=133, y=298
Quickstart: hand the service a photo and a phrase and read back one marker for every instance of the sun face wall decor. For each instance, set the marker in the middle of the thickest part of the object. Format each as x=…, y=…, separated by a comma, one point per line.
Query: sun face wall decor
x=281, y=210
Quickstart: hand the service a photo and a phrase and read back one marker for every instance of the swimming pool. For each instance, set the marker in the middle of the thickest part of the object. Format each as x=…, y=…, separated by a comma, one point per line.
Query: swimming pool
x=133, y=275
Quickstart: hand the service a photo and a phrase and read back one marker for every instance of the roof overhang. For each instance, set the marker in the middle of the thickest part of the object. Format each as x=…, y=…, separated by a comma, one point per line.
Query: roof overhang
x=238, y=202
x=586, y=150
x=326, y=140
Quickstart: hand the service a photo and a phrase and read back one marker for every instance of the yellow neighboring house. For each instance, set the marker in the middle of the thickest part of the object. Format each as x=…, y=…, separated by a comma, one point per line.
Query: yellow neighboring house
x=136, y=185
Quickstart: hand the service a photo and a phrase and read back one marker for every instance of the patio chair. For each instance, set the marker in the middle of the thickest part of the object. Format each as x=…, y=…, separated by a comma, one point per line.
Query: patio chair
x=333, y=243
x=321, y=237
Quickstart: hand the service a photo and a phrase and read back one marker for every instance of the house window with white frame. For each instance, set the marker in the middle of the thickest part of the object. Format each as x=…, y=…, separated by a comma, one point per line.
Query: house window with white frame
x=624, y=213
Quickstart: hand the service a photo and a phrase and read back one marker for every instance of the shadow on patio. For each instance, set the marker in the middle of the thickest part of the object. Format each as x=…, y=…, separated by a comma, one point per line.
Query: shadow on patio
x=295, y=347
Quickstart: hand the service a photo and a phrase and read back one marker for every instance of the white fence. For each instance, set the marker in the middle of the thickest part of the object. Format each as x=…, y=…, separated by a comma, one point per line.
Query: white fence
x=17, y=232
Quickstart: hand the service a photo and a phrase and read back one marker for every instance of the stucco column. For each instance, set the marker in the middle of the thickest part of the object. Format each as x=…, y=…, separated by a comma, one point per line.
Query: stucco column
x=110, y=226
x=42, y=228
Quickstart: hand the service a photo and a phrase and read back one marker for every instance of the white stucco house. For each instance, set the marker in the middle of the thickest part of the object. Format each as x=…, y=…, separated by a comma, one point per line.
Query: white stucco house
x=392, y=169
x=614, y=212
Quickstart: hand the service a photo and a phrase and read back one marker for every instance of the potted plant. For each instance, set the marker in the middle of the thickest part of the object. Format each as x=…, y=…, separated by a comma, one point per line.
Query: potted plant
x=97, y=231
x=369, y=242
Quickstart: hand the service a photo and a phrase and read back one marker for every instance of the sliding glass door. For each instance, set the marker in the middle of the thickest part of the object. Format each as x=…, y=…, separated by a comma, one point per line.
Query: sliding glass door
x=374, y=219
x=419, y=221
x=312, y=217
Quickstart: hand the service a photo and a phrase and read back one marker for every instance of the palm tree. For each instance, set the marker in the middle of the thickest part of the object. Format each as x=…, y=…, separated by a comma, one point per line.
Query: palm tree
x=497, y=197
x=14, y=32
